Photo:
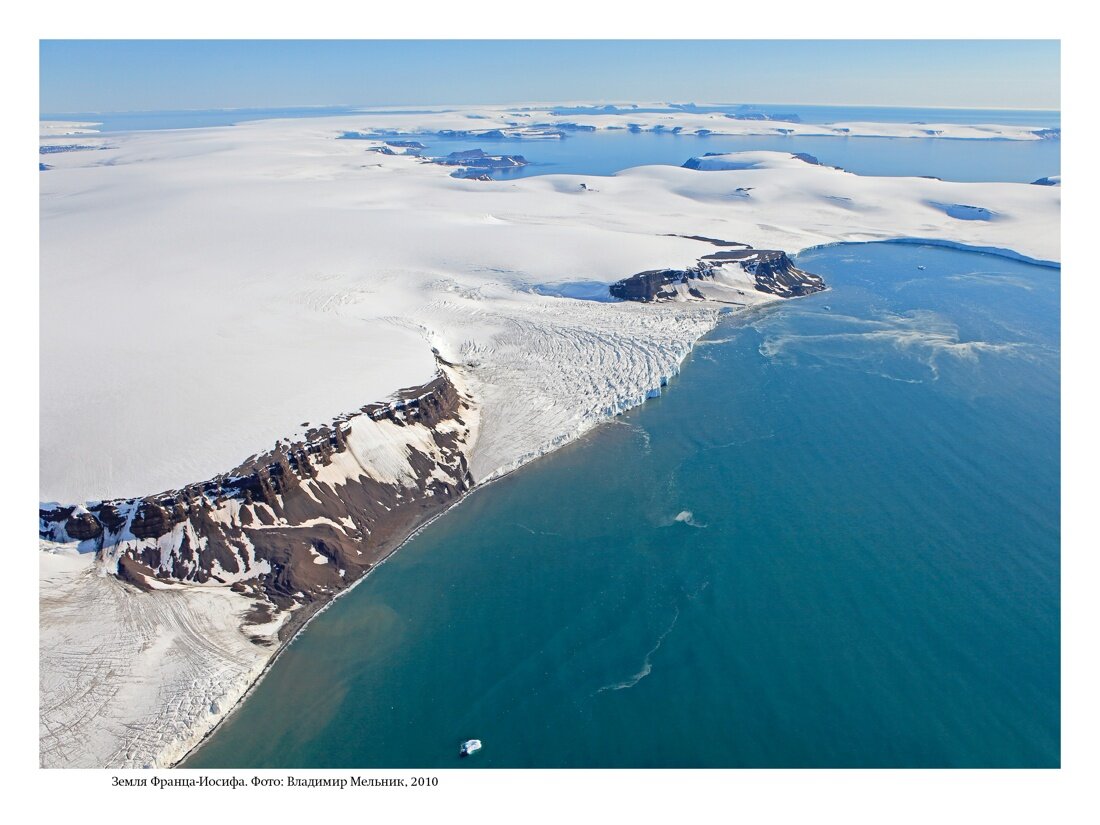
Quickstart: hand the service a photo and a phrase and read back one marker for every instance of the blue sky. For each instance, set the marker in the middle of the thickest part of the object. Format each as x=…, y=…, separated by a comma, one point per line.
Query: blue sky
x=91, y=75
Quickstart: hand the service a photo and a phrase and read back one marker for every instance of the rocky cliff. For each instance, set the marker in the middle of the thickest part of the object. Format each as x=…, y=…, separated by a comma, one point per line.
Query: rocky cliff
x=765, y=270
x=294, y=526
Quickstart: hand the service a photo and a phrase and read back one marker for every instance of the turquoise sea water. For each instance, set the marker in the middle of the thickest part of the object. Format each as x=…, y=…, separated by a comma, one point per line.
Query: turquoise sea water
x=833, y=541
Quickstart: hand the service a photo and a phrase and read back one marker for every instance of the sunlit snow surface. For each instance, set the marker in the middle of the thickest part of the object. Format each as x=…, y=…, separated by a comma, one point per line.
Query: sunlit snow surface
x=135, y=681
x=205, y=292
x=545, y=123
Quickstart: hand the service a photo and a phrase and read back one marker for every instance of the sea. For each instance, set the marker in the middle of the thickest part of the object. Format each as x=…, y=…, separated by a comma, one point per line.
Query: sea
x=833, y=541
x=605, y=153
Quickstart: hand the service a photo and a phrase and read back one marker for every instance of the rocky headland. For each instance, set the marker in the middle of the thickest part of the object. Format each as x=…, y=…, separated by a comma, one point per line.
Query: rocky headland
x=293, y=527
x=730, y=270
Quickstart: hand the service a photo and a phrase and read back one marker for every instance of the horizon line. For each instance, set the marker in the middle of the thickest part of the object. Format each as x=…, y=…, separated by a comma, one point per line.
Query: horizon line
x=255, y=108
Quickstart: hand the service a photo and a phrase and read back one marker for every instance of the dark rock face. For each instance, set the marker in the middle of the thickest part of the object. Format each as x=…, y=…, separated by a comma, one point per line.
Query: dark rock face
x=776, y=274
x=151, y=520
x=711, y=241
x=773, y=271
x=478, y=159
x=646, y=286
x=293, y=526
x=83, y=526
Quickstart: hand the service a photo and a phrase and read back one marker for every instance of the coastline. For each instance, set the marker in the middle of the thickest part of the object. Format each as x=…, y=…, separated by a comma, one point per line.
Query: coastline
x=304, y=620
x=994, y=251
x=556, y=578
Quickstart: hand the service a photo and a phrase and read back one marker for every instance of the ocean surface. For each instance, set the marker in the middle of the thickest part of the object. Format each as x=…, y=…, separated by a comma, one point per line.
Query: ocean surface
x=607, y=153
x=832, y=542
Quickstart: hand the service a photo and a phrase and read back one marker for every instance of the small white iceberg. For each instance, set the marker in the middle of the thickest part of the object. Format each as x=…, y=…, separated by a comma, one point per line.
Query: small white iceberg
x=469, y=747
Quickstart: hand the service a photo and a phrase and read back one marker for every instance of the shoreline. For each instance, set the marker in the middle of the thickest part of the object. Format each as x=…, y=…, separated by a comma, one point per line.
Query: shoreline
x=297, y=624
x=307, y=619
x=719, y=318
x=297, y=621
x=994, y=251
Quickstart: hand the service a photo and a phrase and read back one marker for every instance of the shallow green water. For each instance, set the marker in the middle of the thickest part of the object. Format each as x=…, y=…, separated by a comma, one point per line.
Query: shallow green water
x=865, y=571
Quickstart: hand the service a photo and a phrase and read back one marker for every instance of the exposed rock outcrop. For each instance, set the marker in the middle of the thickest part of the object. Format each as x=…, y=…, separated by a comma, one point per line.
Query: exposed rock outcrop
x=83, y=525
x=771, y=271
x=480, y=160
x=295, y=525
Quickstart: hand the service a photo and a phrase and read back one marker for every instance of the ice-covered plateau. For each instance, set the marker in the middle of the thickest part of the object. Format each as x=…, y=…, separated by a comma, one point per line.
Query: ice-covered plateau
x=209, y=293
x=541, y=122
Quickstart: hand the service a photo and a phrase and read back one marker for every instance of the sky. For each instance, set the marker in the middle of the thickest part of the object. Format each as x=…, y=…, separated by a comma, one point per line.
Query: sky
x=136, y=75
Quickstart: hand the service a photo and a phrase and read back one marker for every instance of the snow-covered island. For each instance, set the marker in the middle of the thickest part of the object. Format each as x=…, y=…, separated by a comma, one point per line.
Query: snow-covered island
x=555, y=122
x=269, y=353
